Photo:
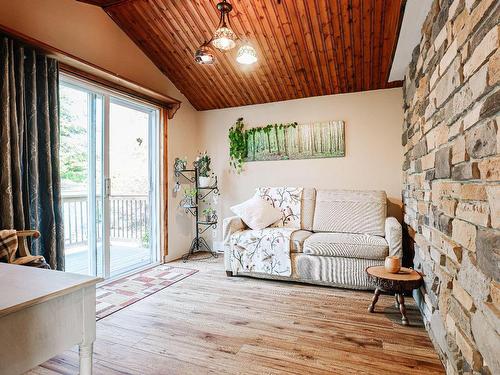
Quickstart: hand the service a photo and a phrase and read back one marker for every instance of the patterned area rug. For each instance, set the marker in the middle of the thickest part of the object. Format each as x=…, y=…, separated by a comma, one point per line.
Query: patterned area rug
x=122, y=293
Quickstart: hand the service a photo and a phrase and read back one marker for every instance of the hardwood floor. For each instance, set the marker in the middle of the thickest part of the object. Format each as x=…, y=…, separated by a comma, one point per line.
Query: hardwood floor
x=211, y=324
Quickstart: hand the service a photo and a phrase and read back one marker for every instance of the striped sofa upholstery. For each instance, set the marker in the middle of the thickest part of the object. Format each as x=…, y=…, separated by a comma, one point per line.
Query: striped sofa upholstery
x=348, y=211
x=346, y=245
x=342, y=233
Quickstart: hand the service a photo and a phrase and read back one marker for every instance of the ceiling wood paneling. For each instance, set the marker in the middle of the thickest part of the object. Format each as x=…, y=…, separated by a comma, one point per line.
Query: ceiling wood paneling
x=305, y=47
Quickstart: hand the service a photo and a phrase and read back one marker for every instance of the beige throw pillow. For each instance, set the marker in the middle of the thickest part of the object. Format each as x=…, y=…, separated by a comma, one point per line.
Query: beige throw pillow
x=256, y=213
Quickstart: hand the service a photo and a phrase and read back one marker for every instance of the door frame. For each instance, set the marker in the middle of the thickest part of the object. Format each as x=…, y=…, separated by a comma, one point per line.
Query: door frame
x=157, y=196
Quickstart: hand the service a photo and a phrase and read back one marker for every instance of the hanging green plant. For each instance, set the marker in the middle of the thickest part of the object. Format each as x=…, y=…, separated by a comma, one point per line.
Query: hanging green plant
x=238, y=149
x=246, y=144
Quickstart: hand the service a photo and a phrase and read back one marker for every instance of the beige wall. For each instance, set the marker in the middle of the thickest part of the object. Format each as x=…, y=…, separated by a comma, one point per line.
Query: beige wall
x=373, y=146
x=87, y=32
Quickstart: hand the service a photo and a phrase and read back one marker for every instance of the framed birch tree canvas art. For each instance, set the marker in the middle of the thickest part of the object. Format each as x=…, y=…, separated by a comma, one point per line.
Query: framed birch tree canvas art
x=286, y=142
x=296, y=141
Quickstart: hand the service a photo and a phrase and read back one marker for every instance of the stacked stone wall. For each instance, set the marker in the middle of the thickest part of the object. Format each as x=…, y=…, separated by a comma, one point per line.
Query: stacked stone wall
x=451, y=173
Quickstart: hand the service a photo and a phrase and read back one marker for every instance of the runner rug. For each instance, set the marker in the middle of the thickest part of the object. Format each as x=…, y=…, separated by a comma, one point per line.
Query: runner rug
x=121, y=293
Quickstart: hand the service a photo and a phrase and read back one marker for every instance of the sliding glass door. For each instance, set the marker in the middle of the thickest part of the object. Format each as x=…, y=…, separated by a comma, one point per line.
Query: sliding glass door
x=109, y=171
x=130, y=184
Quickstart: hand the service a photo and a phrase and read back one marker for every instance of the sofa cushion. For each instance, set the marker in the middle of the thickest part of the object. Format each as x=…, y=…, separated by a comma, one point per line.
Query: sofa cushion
x=347, y=245
x=307, y=212
x=349, y=211
x=297, y=240
x=256, y=213
x=288, y=200
x=335, y=271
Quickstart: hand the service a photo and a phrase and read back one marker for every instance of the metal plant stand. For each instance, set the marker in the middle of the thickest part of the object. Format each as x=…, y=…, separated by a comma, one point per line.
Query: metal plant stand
x=192, y=206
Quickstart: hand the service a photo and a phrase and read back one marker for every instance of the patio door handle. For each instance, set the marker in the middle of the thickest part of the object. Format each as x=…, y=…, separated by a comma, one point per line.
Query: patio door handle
x=107, y=187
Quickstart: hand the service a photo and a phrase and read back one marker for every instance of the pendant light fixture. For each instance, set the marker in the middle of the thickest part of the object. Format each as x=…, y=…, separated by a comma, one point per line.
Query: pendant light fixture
x=224, y=39
x=246, y=55
x=204, y=55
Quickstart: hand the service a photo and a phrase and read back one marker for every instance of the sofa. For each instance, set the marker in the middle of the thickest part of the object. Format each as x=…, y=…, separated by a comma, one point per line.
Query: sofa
x=342, y=232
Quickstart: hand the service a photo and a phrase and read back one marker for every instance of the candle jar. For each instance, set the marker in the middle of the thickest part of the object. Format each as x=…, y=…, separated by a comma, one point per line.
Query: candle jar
x=392, y=264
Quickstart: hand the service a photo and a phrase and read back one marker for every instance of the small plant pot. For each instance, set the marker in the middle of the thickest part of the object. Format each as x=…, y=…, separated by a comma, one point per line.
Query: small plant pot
x=208, y=218
x=392, y=264
x=204, y=181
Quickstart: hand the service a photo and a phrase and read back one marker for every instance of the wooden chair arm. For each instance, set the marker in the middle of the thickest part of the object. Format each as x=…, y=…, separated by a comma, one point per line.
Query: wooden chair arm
x=27, y=259
x=28, y=233
x=23, y=250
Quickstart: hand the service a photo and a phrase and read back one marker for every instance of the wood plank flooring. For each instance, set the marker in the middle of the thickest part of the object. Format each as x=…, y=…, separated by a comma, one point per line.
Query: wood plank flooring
x=212, y=324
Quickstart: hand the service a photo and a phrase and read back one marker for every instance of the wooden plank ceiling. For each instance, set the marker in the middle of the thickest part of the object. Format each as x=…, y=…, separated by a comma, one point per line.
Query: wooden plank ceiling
x=305, y=47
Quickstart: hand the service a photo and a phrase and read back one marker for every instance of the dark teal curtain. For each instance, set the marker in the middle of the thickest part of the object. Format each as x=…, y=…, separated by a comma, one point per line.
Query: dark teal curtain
x=30, y=188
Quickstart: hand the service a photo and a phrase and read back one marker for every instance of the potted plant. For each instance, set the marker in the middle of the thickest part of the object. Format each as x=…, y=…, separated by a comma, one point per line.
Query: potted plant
x=189, y=198
x=180, y=164
x=209, y=214
x=203, y=165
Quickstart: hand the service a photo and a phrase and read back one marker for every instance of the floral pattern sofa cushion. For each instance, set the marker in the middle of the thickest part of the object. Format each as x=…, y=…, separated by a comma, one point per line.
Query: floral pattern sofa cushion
x=288, y=200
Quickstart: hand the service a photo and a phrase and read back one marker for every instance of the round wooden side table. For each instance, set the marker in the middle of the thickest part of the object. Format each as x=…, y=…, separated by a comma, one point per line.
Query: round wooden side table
x=404, y=281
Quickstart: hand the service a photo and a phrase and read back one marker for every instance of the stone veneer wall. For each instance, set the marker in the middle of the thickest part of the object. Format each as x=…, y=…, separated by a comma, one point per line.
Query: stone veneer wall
x=451, y=188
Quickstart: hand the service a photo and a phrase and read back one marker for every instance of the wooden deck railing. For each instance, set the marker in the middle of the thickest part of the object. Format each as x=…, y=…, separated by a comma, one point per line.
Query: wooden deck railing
x=129, y=218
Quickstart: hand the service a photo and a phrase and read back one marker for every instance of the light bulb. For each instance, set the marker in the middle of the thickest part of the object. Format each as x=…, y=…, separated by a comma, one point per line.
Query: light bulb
x=246, y=55
x=204, y=55
x=224, y=39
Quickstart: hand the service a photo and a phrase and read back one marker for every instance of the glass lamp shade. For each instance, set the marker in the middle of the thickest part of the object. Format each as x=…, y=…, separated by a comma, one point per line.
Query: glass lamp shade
x=246, y=55
x=204, y=55
x=224, y=39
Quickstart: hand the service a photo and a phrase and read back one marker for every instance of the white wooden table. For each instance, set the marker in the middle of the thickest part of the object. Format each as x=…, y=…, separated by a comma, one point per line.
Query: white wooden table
x=42, y=314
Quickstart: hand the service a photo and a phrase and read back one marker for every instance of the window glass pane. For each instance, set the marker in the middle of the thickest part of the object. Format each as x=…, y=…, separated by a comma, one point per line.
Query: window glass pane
x=75, y=121
x=129, y=173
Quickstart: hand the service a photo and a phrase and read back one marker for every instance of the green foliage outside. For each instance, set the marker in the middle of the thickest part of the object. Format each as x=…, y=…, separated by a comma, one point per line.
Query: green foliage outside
x=145, y=240
x=73, y=151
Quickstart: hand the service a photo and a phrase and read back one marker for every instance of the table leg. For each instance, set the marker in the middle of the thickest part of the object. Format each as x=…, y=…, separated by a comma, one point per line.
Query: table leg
x=88, y=331
x=402, y=308
x=374, y=300
x=86, y=351
x=396, y=304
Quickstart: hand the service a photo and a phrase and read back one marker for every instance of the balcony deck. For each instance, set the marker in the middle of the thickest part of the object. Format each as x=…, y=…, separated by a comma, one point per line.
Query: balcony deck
x=129, y=228
x=124, y=257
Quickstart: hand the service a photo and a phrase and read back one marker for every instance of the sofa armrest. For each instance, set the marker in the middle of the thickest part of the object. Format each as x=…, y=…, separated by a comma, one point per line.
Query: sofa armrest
x=231, y=225
x=394, y=236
